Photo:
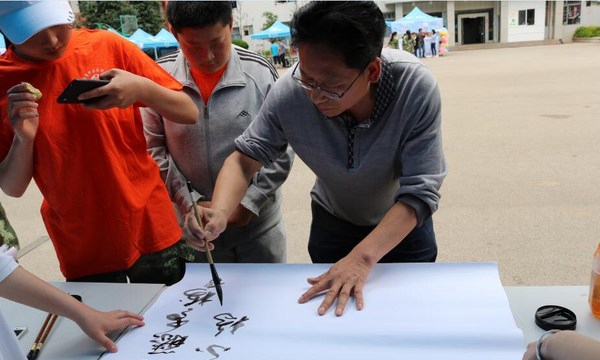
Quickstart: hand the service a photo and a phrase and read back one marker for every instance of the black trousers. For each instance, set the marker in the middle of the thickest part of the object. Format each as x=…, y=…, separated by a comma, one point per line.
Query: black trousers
x=332, y=238
x=162, y=267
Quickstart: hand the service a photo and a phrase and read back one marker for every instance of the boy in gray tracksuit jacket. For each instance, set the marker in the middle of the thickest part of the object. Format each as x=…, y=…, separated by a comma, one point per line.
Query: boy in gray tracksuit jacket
x=197, y=152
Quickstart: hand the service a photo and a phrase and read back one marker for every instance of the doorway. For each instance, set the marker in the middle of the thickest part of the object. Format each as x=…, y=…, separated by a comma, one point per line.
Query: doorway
x=473, y=28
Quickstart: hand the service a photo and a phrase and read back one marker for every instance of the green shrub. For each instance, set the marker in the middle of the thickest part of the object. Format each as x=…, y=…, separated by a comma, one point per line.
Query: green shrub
x=240, y=43
x=587, y=31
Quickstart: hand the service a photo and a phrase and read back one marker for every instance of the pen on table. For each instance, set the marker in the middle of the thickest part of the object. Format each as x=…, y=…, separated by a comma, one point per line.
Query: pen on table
x=38, y=337
x=42, y=335
x=43, y=339
x=213, y=269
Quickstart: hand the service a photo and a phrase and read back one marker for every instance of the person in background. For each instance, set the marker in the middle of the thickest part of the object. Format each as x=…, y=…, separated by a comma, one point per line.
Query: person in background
x=228, y=85
x=19, y=285
x=408, y=42
x=367, y=122
x=435, y=39
x=282, y=53
x=105, y=206
x=7, y=233
x=563, y=345
x=275, y=52
x=393, y=43
x=420, y=52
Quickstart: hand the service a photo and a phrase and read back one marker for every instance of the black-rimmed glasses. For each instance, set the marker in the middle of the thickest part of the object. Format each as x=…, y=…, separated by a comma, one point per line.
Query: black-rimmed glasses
x=326, y=93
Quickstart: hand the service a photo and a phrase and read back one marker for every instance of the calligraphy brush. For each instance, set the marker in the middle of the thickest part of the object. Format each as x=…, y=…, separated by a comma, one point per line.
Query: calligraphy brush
x=213, y=269
x=38, y=337
x=44, y=336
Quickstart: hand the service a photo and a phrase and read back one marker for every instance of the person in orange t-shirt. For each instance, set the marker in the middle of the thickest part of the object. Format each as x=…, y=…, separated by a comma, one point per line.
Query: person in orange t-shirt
x=105, y=207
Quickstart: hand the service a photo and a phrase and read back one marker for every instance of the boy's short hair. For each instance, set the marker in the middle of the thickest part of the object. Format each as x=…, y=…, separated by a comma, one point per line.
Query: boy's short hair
x=20, y=20
x=198, y=14
x=355, y=29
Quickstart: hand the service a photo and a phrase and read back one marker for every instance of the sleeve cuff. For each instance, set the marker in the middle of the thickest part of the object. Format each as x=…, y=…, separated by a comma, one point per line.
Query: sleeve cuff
x=254, y=200
x=422, y=211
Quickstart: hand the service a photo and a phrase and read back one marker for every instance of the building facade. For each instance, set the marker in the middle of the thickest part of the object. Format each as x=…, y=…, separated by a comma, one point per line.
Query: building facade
x=475, y=22
x=249, y=18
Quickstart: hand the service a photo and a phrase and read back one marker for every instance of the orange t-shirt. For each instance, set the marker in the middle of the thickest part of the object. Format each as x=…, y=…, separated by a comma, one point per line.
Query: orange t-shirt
x=206, y=82
x=104, y=201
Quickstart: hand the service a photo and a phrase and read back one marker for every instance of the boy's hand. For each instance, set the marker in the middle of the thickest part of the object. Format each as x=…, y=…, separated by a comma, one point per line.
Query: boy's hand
x=123, y=90
x=97, y=324
x=239, y=218
x=23, y=112
x=214, y=221
x=193, y=234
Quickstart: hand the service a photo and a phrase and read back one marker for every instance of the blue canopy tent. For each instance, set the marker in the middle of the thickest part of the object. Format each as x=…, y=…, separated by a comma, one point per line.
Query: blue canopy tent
x=277, y=30
x=415, y=20
x=2, y=45
x=145, y=41
x=166, y=38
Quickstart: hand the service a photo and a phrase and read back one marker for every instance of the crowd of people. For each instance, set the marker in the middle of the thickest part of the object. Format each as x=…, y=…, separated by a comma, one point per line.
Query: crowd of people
x=414, y=43
x=113, y=170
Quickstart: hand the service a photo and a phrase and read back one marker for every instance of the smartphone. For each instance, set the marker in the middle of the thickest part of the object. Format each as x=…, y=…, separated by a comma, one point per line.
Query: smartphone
x=20, y=331
x=77, y=87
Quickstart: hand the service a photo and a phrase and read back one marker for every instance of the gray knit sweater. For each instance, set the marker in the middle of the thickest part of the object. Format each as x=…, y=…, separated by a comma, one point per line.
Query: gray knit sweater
x=362, y=169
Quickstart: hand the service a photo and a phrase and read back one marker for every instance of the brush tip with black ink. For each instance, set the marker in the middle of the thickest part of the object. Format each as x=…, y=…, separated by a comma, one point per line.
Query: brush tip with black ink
x=217, y=282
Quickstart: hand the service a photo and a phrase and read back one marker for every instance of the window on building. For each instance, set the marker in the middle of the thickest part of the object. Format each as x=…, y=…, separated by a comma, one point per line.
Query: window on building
x=235, y=33
x=592, y=3
x=527, y=17
x=572, y=12
x=389, y=16
x=248, y=30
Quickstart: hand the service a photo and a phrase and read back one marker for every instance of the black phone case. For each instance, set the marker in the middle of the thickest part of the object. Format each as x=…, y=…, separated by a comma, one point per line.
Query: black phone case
x=77, y=87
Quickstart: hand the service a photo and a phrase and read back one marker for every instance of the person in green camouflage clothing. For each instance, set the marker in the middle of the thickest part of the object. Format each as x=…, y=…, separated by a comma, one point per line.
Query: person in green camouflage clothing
x=408, y=42
x=7, y=233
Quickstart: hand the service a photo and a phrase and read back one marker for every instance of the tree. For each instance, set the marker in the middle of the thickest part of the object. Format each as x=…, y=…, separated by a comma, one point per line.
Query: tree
x=100, y=14
x=271, y=18
x=149, y=15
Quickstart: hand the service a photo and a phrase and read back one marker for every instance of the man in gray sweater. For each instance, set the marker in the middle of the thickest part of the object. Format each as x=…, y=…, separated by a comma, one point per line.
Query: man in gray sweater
x=228, y=84
x=367, y=123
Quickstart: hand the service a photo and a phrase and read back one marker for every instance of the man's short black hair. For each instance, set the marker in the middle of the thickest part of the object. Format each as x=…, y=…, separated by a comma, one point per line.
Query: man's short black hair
x=198, y=14
x=353, y=28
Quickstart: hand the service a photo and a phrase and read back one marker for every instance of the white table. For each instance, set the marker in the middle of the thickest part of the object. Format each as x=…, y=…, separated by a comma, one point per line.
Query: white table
x=66, y=340
x=525, y=300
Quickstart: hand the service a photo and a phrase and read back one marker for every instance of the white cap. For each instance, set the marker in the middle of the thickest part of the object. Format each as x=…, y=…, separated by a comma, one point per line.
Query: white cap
x=20, y=20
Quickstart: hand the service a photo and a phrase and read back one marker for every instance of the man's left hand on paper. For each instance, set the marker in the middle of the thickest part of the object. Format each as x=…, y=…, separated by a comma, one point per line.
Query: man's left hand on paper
x=343, y=280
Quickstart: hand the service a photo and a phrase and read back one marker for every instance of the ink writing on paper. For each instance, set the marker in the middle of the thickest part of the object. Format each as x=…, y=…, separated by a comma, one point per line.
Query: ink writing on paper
x=226, y=319
x=166, y=343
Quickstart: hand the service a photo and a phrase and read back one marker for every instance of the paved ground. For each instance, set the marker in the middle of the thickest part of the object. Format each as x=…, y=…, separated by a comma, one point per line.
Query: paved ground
x=521, y=137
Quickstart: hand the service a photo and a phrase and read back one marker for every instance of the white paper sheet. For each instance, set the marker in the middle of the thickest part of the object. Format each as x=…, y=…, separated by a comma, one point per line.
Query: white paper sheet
x=412, y=311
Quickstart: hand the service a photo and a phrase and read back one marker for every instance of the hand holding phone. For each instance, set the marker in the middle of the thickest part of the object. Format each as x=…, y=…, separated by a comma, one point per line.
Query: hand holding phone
x=78, y=87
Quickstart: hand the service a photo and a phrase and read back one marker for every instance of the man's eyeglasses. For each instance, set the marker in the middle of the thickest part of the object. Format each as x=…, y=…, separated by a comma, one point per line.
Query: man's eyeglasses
x=326, y=93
